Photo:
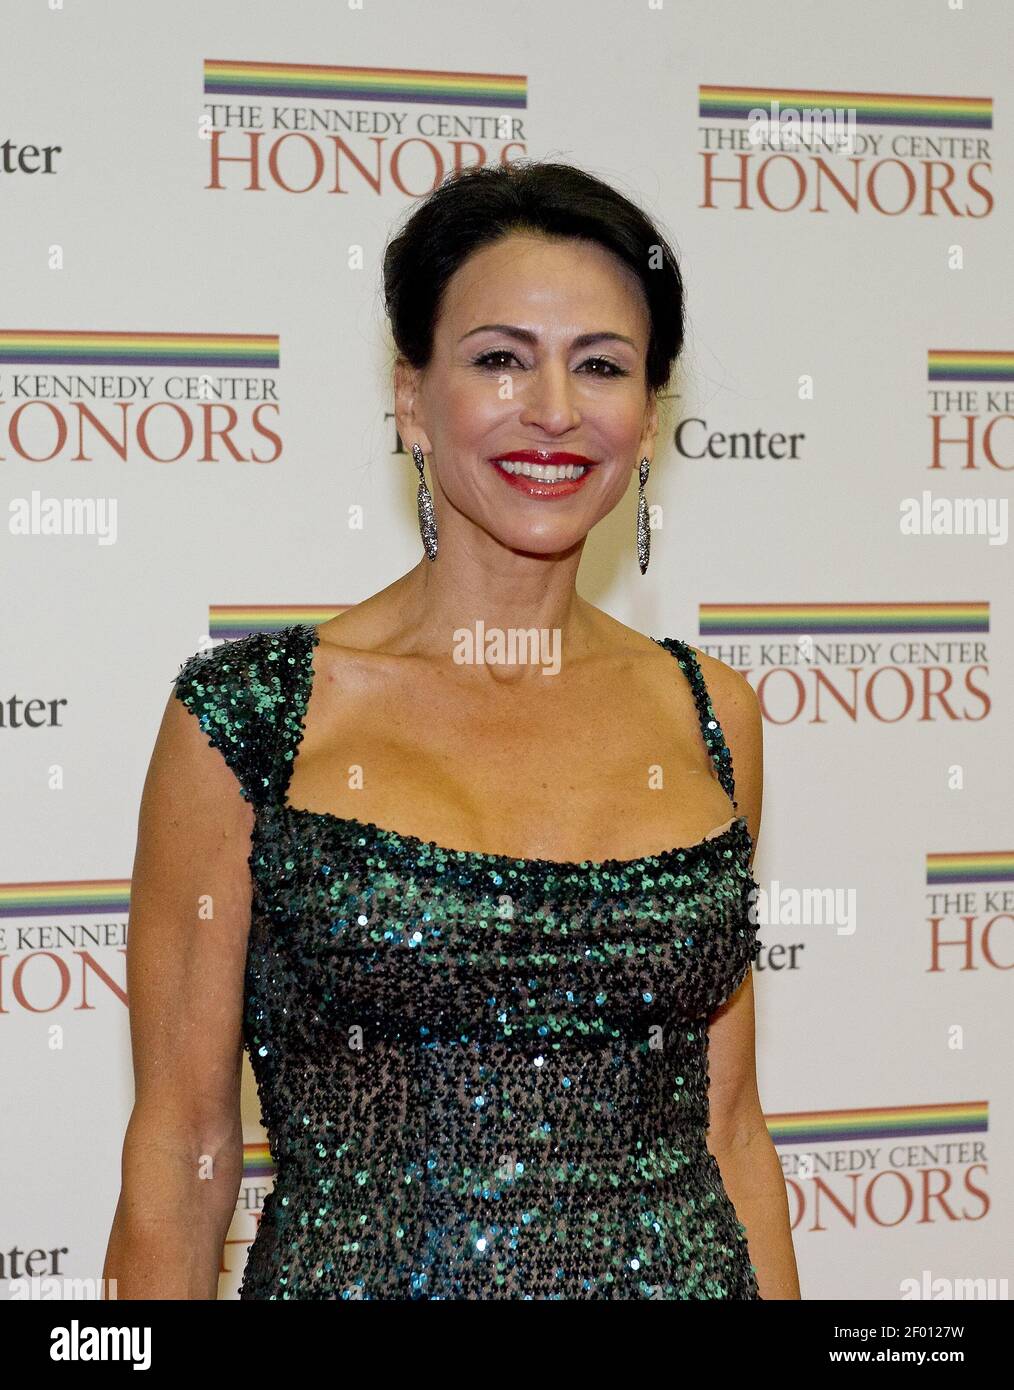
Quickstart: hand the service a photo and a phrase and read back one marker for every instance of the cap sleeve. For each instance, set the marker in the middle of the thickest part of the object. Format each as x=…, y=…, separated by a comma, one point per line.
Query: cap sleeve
x=236, y=692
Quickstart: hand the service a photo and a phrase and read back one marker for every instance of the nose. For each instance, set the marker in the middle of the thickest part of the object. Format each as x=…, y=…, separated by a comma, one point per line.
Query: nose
x=548, y=402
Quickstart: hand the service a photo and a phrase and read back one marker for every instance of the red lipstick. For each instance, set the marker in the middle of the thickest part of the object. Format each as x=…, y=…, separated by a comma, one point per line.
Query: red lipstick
x=543, y=487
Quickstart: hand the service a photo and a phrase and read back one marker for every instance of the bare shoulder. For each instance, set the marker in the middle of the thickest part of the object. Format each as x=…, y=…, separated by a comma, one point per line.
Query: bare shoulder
x=378, y=623
x=608, y=635
x=727, y=686
x=360, y=656
x=355, y=628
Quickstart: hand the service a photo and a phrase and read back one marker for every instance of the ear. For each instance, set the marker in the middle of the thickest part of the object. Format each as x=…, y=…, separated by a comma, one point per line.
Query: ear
x=407, y=415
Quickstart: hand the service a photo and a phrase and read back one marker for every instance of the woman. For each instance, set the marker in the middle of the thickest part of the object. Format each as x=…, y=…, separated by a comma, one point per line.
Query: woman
x=472, y=909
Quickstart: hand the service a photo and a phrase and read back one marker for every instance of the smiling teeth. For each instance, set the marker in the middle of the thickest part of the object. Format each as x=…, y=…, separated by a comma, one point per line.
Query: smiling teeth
x=543, y=472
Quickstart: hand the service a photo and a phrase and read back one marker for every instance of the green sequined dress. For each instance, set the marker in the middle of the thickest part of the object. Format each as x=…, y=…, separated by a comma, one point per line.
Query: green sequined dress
x=481, y=1077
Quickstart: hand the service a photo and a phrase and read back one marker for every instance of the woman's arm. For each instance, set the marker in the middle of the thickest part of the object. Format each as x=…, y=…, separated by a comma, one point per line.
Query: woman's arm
x=746, y=1156
x=738, y=1137
x=186, y=951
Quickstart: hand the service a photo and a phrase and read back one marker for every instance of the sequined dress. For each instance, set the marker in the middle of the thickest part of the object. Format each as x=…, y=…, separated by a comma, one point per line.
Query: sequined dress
x=481, y=1077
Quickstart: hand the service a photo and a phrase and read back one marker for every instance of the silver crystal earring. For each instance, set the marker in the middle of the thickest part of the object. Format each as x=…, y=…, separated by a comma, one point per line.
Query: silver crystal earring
x=427, y=516
x=643, y=529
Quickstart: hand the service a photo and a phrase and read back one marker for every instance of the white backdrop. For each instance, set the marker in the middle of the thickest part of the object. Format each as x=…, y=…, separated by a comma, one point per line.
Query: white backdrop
x=829, y=299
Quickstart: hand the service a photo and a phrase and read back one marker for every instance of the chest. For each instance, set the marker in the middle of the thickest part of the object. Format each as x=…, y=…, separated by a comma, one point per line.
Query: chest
x=559, y=776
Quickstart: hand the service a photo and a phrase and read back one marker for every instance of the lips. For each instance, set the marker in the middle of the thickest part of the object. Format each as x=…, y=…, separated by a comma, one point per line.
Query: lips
x=543, y=474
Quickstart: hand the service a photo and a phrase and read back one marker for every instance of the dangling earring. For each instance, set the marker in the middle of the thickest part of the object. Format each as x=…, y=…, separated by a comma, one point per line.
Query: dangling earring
x=427, y=516
x=643, y=529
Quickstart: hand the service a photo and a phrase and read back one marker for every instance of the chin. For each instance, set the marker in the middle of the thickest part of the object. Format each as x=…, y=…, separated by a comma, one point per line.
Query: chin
x=542, y=542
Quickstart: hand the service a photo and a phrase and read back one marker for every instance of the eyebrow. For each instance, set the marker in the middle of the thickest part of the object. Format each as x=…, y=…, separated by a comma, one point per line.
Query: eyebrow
x=526, y=336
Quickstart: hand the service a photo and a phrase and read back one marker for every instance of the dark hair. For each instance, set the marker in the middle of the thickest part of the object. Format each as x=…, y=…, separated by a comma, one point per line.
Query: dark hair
x=477, y=206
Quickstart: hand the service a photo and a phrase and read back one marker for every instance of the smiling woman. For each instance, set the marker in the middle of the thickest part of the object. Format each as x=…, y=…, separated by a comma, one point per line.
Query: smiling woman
x=525, y=392
x=483, y=927
x=587, y=371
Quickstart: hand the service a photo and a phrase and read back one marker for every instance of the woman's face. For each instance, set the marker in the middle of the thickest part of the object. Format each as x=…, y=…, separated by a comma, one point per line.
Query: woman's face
x=539, y=358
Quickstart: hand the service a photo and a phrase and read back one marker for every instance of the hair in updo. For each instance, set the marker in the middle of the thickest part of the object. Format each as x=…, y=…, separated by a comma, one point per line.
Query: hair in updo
x=480, y=205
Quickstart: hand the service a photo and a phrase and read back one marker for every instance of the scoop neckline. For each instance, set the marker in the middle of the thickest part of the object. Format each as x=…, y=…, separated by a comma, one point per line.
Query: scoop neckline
x=417, y=843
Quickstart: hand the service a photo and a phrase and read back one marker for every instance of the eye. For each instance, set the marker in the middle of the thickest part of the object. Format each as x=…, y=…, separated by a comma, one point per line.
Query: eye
x=614, y=367
x=486, y=359
x=604, y=366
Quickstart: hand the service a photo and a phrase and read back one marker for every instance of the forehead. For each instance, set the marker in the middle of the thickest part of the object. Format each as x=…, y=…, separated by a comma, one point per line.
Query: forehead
x=529, y=279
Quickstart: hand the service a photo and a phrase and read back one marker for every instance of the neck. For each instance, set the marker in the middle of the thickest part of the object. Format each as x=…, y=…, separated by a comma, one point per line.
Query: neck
x=478, y=585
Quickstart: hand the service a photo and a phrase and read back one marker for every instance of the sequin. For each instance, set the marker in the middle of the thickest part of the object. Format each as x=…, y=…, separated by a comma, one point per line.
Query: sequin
x=480, y=1076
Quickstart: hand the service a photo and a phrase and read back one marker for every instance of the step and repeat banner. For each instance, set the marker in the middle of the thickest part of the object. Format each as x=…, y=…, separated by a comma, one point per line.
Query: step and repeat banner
x=196, y=442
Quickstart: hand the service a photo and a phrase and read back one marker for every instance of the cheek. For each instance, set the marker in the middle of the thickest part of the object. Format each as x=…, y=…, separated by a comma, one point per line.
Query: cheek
x=469, y=412
x=475, y=423
x=620, y=433
x=615, y=488
x=625, y=423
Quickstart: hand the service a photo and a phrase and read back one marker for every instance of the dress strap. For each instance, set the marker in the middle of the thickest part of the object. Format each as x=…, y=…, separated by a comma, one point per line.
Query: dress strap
x=711, y=729
x=300, y=640
x=245, y=694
